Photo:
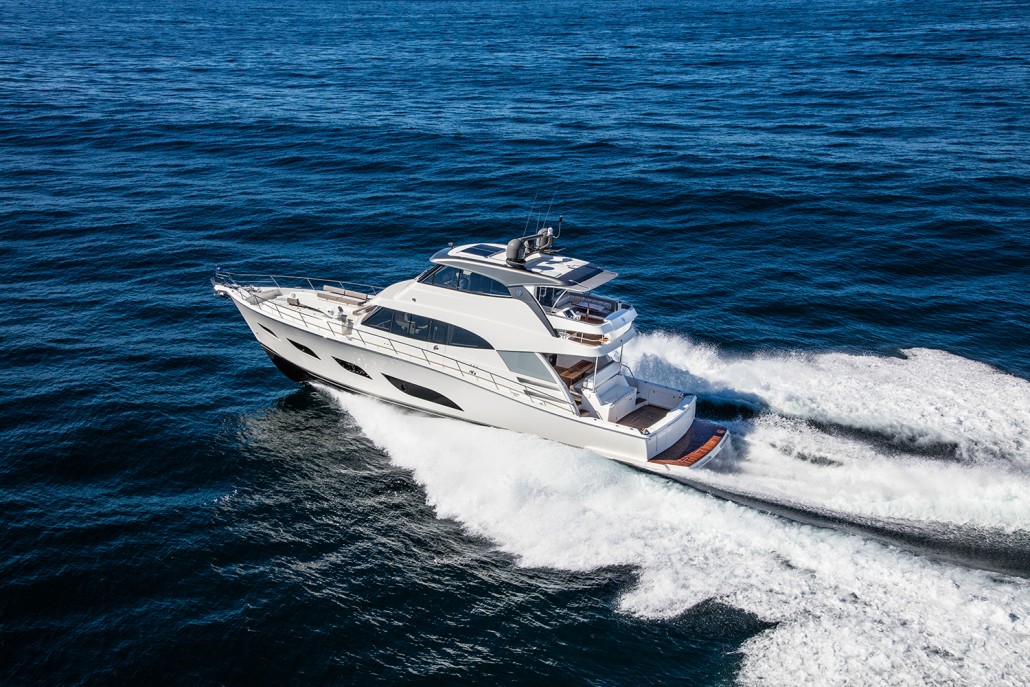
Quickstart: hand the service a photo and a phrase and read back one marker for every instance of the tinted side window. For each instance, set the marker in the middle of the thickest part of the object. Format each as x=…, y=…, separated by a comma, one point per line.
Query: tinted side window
x=380, y=319
x=466, y=339
x=427, y=274
x=447, y=277
x=401, y=323
x=423, y=329
x=480, y=284
x=420, y=327
x=463, y=280
x=439, y=332
x=521, y=362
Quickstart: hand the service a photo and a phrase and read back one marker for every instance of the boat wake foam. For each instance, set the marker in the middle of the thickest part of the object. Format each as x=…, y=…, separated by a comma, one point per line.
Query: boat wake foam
x=849, y=610
x=932, y=437
x=923, y=402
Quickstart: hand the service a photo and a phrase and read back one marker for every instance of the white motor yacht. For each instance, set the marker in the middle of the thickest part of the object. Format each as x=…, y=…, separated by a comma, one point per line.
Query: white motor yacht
x=511, y=336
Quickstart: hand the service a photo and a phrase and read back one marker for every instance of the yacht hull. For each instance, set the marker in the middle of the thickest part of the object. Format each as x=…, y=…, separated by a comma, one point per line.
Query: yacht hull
x=304, y=356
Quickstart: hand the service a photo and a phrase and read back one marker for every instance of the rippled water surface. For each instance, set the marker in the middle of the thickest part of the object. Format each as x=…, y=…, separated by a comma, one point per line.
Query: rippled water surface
x=819, y=210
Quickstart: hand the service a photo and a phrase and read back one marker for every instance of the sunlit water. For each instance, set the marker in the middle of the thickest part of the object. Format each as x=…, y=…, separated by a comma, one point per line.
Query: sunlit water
x=819, y=211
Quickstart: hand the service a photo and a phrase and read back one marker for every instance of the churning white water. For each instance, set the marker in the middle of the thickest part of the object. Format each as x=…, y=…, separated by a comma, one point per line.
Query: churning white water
x=848, y=610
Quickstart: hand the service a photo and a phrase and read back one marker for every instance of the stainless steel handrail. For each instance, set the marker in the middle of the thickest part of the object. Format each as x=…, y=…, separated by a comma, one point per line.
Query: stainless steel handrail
x=231, y=279
x=477, y=374
x=445, y=362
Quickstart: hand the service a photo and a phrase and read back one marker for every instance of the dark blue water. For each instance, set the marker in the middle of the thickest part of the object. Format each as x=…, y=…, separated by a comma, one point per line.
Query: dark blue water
x=819, y=209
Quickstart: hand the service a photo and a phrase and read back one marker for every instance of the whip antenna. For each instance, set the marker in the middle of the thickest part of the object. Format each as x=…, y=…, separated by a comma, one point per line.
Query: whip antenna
x=530, y=213
x=549, y=206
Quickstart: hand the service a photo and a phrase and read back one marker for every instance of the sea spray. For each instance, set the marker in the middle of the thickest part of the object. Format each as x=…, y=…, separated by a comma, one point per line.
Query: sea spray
x=866, y=436
x=843, y=605
x=922, y=401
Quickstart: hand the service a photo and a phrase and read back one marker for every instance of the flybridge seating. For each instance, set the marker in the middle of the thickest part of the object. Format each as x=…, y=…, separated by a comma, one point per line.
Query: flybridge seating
x=588, y=308
x=586, y=318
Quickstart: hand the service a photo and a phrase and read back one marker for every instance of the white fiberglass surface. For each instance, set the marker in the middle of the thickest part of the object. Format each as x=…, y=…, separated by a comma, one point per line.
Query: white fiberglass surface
x=848, y=610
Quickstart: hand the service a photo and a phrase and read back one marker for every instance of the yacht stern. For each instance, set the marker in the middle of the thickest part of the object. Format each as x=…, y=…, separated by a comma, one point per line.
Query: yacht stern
x=700, y=444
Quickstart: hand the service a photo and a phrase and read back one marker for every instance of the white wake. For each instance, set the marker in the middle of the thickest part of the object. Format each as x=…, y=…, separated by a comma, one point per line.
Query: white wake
x=903, y=413
x=926, y=398
x=849, y=610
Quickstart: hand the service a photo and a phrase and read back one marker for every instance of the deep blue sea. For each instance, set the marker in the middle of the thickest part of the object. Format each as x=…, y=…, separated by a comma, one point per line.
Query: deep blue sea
x=820, y=211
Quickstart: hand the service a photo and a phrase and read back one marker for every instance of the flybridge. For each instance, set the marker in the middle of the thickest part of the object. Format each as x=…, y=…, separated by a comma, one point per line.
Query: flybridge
x=526, y=261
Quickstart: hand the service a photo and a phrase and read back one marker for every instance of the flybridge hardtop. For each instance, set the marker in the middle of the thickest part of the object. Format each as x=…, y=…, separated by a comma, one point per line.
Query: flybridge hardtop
x=509, y=335
x=542, y=269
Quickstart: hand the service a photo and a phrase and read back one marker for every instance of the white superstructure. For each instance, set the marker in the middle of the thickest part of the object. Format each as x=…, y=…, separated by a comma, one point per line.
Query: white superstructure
x=509, y=336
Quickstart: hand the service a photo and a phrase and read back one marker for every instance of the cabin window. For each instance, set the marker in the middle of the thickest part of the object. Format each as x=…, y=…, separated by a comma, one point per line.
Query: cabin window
x=425, y=393
x=423, y=329
x=525, y=363
x=403, y=324
x=447, y=277
x=380, y=319
x=482, y=284
x=463, y=280
x=438, y=332
x=411, y=326
x=466, y=339
x=420, y=327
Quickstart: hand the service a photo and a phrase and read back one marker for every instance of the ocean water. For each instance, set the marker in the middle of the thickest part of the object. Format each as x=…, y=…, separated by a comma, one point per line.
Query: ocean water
x=820, y=211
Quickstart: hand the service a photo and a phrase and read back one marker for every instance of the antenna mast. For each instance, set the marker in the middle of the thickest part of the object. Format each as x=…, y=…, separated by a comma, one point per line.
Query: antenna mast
x=526, y=229
x=547, y=214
